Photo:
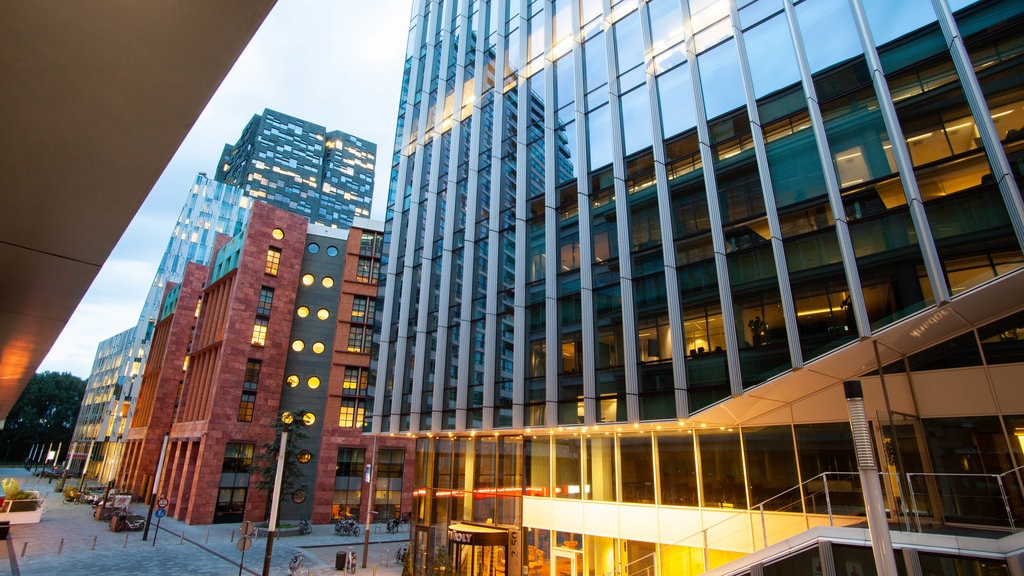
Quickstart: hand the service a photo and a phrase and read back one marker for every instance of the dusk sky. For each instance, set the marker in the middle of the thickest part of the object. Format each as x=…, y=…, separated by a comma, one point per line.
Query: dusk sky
x=337, y=63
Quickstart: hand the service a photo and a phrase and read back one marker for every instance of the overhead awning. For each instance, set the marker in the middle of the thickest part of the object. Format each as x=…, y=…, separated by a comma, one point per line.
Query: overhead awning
x=477, y=535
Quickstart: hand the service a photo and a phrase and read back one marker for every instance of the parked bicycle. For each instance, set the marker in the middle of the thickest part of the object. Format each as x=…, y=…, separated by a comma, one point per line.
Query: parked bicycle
x=393, y=525
x=304, y=526
x=346, y=527
x=401, y=554
x=130, y=522
x=297, y=566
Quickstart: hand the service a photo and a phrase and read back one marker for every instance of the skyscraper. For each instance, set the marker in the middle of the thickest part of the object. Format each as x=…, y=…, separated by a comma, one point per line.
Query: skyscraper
x=637, y=247
x=299, y=166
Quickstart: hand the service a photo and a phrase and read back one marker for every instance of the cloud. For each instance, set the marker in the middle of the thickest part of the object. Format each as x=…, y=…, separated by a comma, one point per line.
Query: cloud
x=337, y=63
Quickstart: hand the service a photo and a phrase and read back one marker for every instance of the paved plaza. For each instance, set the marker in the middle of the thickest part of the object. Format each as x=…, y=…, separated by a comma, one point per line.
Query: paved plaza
x=69, y=541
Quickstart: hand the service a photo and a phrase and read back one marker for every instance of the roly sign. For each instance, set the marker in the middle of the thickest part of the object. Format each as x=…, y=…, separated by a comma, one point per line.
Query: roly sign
x=460, y=537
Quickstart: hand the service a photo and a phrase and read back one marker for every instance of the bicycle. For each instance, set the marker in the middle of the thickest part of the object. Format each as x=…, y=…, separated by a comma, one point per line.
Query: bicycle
x=346, y=527
x=304, y=526
x=393, y=525
x=401, y=554
x=297, y=566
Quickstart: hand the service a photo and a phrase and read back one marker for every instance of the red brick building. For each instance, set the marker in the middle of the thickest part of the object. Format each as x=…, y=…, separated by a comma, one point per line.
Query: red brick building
x=282, y=321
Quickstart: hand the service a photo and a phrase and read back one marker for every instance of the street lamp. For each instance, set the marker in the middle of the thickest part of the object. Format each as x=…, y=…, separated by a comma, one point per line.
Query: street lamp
x=307, y=419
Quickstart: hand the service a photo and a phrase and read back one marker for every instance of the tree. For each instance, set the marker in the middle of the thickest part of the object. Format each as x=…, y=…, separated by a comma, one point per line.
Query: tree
x=45, y=412
x=264, y=462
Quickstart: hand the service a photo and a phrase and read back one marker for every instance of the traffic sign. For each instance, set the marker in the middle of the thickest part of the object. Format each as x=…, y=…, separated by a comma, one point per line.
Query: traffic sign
x=160, y=512
x=247, y=529
x=162, y=502
x=244, y=543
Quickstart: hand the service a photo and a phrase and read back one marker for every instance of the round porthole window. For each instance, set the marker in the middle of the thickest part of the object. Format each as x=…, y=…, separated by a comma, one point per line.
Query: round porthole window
x=332, y=250
x=309, y=418
x=277, y=234
x=308, y=279
x=287, y=417
x=313, y=382
x=298, y=345
x=318, y=347
x=292, y=380
x=313, y=248
x=302, y=311
x=327, y=282
x=304, y=457
x=299, y=496
x=323, y=313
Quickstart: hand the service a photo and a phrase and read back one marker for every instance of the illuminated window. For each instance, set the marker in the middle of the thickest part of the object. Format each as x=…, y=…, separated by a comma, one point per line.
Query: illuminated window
x=304, y=457
x=367, y=270
x=364, y=308
x=287, y=417
x=358, y=338
x=273, y=261
x=323, y=313
x=313, y=382
x=318, y=347
x=309, y=418
x=292, y=380
x=308, y=279
x=266, y=301
x=237, y=458
x=327, y=282
x=252, y=374
x=247, y=407
x=278, y=234
x=350, y=415
x=259, y=331
x=298, y=345
x=356, y=379
x=302, y=312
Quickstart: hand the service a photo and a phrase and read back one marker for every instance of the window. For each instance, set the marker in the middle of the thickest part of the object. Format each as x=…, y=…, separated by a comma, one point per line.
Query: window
x=318, y=347
x=292, y=380
x=350, y=462
x=370, y=244
x=247, y=406
x=308, y=279
x=273, y=261
x=259, y=331
x=266, y=301
x=356, y=379
x=278, y=234
x=323, y=313
x=313, y=382
x=298, y=345
x=364, y=308
x=358, y=338
x=252, y=374
x=367, y=270
x=351, y=414
x=328, y=282
x=302, y=311
x=313, y=248
x=237, y=458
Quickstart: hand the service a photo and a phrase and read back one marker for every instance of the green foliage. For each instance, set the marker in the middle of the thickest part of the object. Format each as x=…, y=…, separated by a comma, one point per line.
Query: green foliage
x=264, y=461
x=407, y=566
x=45, y=412
x=13, y=491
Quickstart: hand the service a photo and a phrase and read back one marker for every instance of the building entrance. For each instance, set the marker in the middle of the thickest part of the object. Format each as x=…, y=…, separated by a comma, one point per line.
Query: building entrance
x=478, y=550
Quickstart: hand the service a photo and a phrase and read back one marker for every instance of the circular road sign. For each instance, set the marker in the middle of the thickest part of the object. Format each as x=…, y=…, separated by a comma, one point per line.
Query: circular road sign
x=162, y=502
x=247, y=529
x=160, y=513
x=244, y=543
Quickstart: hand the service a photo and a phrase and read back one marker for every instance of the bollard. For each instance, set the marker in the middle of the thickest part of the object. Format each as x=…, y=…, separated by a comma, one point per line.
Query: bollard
x=182, y=539
x=207, y=536
x=24, y=546
x=93, y=543
x=232, y=536
x=60, y=546
x=125, y=545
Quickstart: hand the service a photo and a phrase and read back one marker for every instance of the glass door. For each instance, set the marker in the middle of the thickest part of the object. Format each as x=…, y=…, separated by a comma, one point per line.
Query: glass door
x=566, y=562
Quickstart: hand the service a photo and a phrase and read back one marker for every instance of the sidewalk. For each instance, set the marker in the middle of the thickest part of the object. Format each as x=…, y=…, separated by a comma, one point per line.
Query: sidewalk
x=69, y=541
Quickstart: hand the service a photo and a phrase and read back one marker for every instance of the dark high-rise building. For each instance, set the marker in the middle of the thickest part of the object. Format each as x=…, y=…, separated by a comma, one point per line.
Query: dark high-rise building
x=637, y=248
x=300, y=167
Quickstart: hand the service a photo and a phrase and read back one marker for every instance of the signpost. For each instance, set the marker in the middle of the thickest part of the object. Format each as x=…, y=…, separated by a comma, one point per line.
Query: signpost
x=160, y=512
x=247, y=529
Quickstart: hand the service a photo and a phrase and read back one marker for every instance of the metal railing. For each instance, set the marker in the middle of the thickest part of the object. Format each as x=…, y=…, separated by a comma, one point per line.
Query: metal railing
x=835, y=498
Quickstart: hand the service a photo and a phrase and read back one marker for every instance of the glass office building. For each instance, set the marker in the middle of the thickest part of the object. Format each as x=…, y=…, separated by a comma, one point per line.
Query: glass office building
x=635, y=247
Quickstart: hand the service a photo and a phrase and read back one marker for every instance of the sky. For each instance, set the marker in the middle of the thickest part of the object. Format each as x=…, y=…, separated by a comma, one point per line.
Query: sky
x=337, y=63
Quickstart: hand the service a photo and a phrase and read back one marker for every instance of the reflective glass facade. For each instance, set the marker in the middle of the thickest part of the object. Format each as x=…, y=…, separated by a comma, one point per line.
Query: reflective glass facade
x=698, y=215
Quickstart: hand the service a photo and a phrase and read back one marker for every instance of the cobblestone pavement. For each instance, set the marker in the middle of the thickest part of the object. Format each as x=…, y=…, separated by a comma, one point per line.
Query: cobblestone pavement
x=68, y=541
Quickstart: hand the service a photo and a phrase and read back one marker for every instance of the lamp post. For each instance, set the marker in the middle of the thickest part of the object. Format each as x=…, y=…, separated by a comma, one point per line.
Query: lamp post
x=369, y=502
x=304, y=418
x=156, y=485
x=878, y=524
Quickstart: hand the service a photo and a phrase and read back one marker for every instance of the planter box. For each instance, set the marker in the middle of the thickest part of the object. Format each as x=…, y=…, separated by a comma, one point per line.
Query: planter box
x=22, y=511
